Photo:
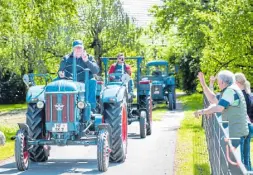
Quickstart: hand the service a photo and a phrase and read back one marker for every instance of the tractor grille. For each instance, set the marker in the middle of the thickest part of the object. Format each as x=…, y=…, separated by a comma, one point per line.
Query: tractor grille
x=157, y=89
x=60, y=107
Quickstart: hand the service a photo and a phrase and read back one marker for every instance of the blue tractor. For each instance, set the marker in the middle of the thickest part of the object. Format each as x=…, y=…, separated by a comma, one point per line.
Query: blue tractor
x=121, y=86
x=163, y=83
x=59, y=113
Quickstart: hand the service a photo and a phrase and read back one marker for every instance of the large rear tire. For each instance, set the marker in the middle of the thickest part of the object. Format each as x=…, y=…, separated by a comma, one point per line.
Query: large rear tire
x=115, y=114
x=35, y=119
x=103, y=150
x=21, y=152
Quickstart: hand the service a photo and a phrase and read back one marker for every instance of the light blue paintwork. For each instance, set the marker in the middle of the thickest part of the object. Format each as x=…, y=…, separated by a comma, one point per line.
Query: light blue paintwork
x=113, y=91
x=35, y=94
x=157, y=63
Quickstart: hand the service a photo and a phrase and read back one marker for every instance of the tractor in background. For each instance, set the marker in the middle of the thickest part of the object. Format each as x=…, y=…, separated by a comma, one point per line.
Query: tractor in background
x=59, y=113
x=163, y=83
x=140, y=111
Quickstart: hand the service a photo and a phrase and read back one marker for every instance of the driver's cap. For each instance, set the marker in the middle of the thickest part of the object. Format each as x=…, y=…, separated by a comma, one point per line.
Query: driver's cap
x=77, y=43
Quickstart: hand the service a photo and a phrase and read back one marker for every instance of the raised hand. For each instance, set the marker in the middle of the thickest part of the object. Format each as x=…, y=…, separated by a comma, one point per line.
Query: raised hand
x=85, y=56
x=201, y=78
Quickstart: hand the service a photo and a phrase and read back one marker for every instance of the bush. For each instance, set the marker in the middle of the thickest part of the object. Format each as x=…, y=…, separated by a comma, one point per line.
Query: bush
x=12, y=88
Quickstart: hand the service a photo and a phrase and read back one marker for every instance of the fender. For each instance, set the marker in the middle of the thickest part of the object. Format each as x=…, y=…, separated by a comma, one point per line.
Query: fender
x=25, y=127
x=35, y=94
x=113, y=94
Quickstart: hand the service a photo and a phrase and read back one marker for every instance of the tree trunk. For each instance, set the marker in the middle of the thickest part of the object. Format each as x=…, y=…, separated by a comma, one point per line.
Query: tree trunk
x=98, y=52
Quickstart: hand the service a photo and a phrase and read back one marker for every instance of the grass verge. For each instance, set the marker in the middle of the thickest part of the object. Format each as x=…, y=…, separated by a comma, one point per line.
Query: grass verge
x=8, y=149
x=191, y=149
x=11, y=107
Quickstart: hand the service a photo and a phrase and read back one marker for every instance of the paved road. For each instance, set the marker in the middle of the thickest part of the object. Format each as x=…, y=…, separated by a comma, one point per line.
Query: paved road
x=151, y=156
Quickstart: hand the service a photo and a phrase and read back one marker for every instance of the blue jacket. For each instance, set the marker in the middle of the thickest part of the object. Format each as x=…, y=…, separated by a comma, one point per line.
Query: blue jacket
x=66, y=66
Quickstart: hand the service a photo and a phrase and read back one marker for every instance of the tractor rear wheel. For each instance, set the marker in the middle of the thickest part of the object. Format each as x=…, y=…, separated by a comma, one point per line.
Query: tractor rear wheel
x=115, y=114
x=103, y=150
x=143, y=129
x=171, y=102
x=35, y=119
x=21, y=152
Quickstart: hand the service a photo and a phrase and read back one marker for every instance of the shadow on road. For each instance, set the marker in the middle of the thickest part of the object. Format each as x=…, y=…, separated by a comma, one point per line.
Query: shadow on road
x=57, y=166
x=134, y=136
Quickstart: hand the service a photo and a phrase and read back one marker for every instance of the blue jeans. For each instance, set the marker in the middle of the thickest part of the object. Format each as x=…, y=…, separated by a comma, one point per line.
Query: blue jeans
x=245, y=149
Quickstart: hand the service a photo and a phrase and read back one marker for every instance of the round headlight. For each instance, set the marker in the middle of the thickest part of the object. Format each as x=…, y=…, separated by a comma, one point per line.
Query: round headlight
x=40, y=104
x=80, y=105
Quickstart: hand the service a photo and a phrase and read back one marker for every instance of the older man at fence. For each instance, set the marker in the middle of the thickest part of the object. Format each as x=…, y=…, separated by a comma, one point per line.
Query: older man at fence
x=231, y=104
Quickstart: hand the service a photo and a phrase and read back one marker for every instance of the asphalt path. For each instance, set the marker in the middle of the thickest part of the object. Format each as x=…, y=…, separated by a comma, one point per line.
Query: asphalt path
x=153, y=155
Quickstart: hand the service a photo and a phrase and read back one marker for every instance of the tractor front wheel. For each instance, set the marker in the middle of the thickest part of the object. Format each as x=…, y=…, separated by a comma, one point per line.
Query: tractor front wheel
x=35, y=119
x=143, y=130
x=115, y=114
x=21, y=151
x=103, y=150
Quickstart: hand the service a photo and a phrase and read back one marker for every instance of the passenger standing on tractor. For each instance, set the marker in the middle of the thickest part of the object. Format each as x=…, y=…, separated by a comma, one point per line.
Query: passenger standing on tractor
x=83, y=61
x=118, y=67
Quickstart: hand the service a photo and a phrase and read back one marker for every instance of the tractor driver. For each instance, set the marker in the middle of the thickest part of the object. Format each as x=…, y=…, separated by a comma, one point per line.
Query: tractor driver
x=157, y=72
x=82, y=60
x=118, y=67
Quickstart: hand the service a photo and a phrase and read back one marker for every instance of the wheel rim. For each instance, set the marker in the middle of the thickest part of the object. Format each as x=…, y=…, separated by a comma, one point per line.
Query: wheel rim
x=107, y=151
x=124, y=127
x=25, y=153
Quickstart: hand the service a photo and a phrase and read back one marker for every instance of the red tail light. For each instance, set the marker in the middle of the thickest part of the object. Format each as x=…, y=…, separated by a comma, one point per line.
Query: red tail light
x=144, y=82
x=100, y=82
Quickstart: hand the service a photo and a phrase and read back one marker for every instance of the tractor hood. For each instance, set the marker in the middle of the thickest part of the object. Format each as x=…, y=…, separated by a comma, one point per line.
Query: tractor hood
x=113, y=94
x=65, y=86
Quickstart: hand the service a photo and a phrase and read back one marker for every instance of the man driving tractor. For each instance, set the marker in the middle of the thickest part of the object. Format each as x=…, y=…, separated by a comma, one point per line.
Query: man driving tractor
x=83, y=61
x=121, y=67
x=156, y=72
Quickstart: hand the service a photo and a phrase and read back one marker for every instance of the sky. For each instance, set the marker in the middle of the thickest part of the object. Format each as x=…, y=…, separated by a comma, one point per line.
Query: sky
x=139, y=10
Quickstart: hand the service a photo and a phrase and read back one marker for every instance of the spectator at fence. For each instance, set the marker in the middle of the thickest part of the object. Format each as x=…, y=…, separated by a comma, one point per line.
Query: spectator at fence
x=244, y=85
x=231, y=104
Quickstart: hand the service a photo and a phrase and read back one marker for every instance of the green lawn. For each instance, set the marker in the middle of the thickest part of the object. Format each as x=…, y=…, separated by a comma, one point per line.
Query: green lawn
x=191, y=149
x=8, y=149
x=10, y=107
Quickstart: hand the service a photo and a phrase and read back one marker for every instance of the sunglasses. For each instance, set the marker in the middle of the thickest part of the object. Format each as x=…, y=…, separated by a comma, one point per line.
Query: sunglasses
x=121, y=58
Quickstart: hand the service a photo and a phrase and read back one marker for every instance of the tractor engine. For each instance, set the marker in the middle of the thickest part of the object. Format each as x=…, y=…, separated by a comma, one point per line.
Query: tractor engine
x=63, y=98
x=157, y=90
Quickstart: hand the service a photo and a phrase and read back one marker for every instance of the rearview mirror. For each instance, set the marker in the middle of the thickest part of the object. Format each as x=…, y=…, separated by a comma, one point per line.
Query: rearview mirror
x=26, y=80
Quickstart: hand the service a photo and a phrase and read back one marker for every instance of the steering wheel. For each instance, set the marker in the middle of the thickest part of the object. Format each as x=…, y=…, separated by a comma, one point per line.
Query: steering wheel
x=78, y=72
x=119, y=77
